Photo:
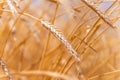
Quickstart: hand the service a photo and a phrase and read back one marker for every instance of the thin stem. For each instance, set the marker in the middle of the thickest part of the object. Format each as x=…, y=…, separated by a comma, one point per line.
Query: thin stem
x=46, y=73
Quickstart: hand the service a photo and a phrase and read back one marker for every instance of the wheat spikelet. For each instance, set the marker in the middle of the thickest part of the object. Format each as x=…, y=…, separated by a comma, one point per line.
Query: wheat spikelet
x=5, y=69
x=12, y=8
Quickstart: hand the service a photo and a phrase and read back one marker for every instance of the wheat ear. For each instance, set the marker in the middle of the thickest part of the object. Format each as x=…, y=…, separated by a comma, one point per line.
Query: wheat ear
x=12, y=8
x=5, y=69
x=102, y=15
x=61, y=37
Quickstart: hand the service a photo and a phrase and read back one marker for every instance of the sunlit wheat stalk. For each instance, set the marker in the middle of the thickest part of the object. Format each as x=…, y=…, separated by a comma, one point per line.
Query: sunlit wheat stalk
x=46, y=73
x=60, y=36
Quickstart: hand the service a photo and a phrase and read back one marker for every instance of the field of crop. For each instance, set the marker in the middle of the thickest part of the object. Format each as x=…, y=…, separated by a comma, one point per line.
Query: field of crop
x=59, y=40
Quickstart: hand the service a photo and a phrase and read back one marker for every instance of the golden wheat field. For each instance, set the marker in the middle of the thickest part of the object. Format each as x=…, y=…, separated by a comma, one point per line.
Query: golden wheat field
x=59, y=39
